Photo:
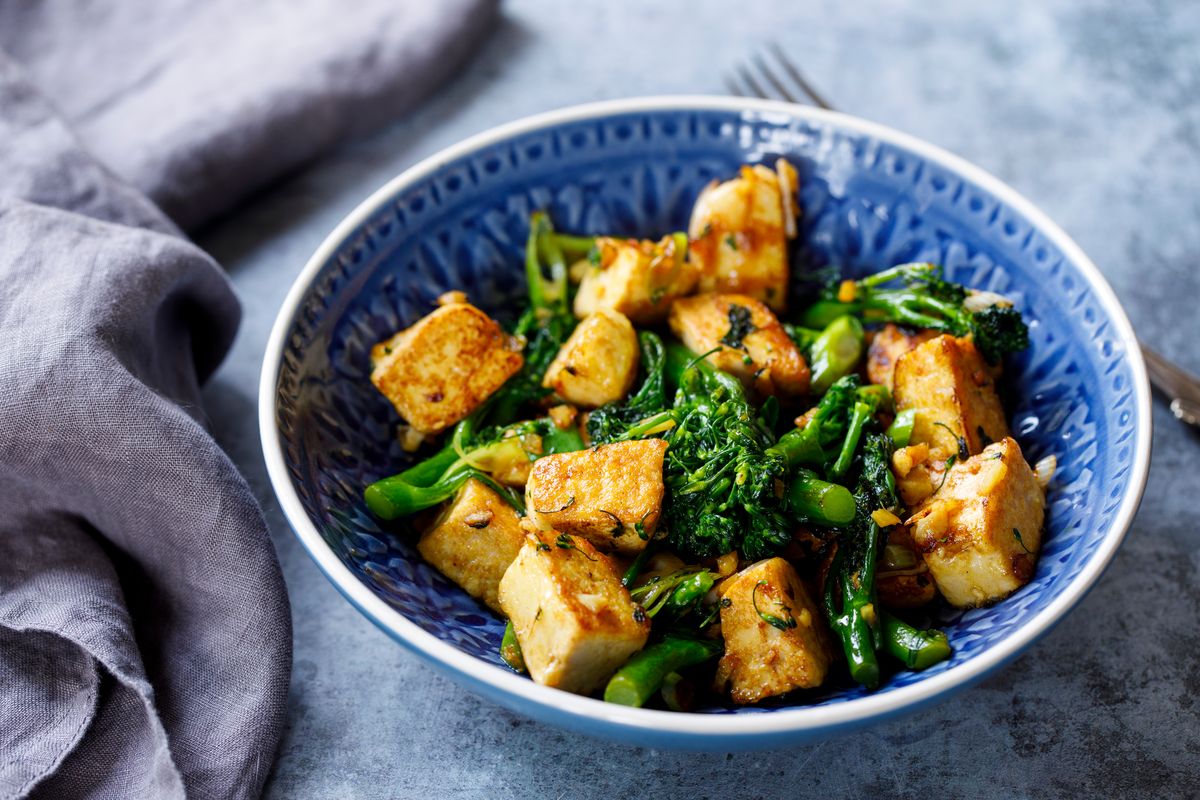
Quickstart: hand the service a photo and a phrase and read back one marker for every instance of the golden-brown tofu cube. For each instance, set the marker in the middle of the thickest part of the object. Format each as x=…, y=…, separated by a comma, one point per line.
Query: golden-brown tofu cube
x=575, y=622
x=739, y=232
x=598, y=363
x=611, y=495
x=887, y=345
x=443, y=367
x=981, y=531
x=748, y=340
x=775, y=637
x=954, y=394
x=473, y=540
x=637, y=278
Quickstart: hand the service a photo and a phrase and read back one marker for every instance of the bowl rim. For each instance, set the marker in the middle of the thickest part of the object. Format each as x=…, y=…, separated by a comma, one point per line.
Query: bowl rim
x=556, y=703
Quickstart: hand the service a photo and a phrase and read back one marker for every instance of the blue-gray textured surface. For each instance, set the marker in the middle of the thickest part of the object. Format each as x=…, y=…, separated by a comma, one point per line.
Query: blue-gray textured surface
x=1093, y=113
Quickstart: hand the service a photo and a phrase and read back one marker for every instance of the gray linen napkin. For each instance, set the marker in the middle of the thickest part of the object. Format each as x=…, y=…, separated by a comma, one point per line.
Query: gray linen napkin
x=145, y=638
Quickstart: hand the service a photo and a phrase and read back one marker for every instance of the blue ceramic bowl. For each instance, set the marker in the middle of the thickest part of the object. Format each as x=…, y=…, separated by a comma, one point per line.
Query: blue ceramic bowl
x=872, y=198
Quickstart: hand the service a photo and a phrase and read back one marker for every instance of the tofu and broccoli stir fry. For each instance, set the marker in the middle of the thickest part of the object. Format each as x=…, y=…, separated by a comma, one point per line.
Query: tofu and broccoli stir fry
x=677, y=489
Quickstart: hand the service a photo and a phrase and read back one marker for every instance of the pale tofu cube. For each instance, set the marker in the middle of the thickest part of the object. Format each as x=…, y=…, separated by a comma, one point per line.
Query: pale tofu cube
x=775, y=636
x=442, y=368
x=473, y=540
x=747, y=340
x=638, y=278
x=611, y=495
x=739, y=233
x=575, y=622
x=598, y=363
x=887, y=345
x=981, y=531
x=954, y=394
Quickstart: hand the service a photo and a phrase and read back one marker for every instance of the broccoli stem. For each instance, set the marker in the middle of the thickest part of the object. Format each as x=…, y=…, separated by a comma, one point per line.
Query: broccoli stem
x=574, y=247
x=855, y=624
x=836, y=352
x=858, y=419
x=645, y=672
x=394, y=497
x=510, y=649
x=901, y=429
x=635, y=568
x=814, y=500
x=915, y=648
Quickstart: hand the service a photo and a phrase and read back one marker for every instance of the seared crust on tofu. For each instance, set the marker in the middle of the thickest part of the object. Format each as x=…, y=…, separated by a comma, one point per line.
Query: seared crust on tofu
x=443, y=367
x=603, y=494
x=637, y=278
x=954, y=393
x=762, y=660
x=739, y=233
x=575, y=622
x=887, y=345
x=981, y=531
x=598, y=363
x=765, y=359
x=473, y=540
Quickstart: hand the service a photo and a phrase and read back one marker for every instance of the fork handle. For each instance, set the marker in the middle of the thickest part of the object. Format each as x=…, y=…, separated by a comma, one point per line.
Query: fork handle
x=1182, y=387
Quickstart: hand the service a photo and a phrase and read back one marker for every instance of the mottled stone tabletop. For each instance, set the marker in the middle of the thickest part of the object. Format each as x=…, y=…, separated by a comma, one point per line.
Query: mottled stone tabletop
x=1092, y=110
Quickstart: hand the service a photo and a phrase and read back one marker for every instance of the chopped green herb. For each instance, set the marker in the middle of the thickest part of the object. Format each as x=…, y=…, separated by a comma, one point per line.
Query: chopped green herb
x=1020, y=541
x=740, y=327
x=731, y=242
x=570, y=502
x=945, y=472
x=964, y=452
x=618, y=526
x=593, y=256
x=564, y=541
x=772, y=620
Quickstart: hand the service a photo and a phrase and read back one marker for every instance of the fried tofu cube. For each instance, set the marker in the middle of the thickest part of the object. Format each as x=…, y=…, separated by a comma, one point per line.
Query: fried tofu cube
x=637, y=278
x=610, y=495
x=444, y=366
x=575, y=622
x=981, y=531
x=748, y=340
x=739, y=233
x=954, y=393
x=887, y=345
x=775, y=636
x=598, y=363
x=473, y=540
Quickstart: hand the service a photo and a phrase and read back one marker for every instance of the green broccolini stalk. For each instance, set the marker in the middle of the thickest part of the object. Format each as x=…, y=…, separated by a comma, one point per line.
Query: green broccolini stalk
x=545, y=324
x=440, y=476
x=830, y=438
x=925, y=300
x=645, y=673
x=849, y=594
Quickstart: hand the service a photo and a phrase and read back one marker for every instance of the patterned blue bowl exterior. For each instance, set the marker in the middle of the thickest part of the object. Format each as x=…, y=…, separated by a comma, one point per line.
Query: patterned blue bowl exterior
x=868, y=204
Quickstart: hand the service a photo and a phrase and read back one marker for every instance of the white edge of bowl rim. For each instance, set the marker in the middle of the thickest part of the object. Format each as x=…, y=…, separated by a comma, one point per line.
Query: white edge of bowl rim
x=795, y=721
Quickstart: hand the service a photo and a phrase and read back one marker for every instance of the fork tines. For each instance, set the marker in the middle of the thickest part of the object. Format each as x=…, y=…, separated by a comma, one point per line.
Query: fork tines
x=775, y=77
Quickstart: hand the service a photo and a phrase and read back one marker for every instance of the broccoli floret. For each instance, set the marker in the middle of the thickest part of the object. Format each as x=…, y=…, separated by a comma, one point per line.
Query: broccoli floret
x=615, y=421
x=998, y=330
x=926, y=300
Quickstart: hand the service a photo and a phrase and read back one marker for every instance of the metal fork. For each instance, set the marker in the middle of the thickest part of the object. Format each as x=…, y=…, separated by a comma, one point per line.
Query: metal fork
x=774, y=76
